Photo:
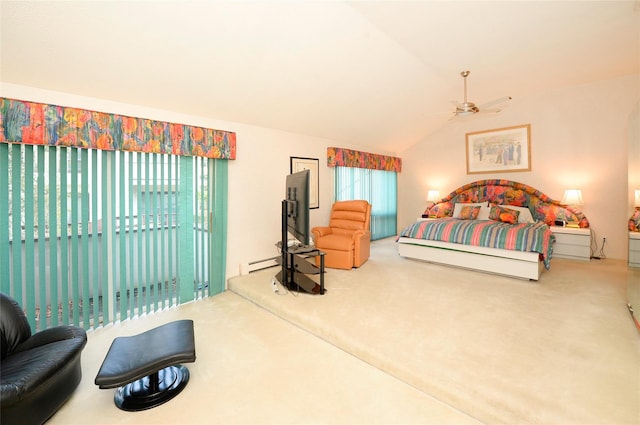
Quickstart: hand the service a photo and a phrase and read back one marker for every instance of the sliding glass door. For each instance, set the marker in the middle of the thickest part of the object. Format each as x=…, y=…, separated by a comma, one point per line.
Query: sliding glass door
x=94, y=236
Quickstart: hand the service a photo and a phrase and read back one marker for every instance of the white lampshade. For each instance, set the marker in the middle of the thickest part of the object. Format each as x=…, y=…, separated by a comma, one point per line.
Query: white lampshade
x=433, y=196
x=572, y=197
x=637, y=196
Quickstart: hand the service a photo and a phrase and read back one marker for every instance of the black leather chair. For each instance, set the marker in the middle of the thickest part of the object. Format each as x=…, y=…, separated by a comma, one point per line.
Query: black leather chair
x=39, y=372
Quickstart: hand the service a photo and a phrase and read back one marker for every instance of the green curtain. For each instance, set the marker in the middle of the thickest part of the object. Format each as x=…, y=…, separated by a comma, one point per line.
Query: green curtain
x=94, y=236
x=379, y=188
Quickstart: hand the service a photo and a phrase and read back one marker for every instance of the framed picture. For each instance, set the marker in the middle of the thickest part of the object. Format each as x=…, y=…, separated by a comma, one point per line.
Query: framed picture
x=499, y=151
x=311, y=164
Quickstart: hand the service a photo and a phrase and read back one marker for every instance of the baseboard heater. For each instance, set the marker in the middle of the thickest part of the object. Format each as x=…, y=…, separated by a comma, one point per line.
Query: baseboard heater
x=263, y=264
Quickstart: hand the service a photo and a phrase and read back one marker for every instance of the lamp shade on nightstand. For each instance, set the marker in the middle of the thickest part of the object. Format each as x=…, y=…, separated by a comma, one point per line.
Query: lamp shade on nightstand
x=572, y=197
x=433, y=196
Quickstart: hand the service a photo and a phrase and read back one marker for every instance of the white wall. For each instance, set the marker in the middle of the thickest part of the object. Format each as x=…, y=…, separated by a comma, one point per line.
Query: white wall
x=257, y=186
x=579, y=139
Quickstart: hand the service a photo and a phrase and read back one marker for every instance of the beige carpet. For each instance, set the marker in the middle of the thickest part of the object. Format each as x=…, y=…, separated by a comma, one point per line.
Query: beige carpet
x=254, y=368
x=563, y=350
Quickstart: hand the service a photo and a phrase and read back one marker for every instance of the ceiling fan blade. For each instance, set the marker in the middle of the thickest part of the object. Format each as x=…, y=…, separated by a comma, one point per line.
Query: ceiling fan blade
x=494, y=102
x=468, y=108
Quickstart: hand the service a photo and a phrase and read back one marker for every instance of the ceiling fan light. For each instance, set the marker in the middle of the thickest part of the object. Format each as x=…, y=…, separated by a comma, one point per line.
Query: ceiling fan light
x=467, y=108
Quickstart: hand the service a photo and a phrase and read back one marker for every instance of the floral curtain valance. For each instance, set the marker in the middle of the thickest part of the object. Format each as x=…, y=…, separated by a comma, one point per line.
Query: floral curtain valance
x=339, y=157
x=40, y=124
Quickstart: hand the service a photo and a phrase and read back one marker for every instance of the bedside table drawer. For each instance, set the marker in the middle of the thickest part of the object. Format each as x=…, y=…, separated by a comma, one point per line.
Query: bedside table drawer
x=572, y=243
x=574, y=252
x=634, y=249
x=566, y=239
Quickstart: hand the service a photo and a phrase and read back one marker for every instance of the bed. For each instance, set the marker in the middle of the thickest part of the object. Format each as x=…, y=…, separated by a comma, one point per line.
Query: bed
x=495, y=226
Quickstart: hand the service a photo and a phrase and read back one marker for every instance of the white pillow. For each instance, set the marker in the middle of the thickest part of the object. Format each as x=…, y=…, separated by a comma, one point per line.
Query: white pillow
x=484, y=213
x=458, y=206
x=524, y=216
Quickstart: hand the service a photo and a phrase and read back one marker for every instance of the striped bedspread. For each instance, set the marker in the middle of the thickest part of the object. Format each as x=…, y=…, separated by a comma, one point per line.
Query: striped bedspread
x=530, y=237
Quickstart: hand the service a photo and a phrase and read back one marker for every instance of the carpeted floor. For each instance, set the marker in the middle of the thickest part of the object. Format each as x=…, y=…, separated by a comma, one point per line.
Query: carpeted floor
x=562, y=350
x=254, y=368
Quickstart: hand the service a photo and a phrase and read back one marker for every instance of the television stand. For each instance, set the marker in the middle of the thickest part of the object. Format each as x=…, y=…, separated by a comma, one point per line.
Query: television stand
x=295, y=269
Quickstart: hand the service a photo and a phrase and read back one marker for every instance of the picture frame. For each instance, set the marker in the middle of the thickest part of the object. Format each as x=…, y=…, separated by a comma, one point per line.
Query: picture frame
x=501, y=150
x=312, y=164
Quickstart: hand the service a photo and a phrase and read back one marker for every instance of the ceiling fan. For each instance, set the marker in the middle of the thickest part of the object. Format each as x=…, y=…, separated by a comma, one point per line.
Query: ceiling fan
x=469, y=108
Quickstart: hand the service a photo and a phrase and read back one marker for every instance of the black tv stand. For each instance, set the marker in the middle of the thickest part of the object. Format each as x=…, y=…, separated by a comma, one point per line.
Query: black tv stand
x=294, y=264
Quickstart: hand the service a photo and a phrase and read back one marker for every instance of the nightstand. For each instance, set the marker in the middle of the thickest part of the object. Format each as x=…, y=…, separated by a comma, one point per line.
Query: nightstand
x=634, y=249
x=572, y=243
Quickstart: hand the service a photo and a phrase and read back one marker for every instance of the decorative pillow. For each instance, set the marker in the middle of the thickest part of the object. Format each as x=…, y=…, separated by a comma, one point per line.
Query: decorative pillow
x=459, y=205
x=525, y=214
x=506, y=215
x=469, y=213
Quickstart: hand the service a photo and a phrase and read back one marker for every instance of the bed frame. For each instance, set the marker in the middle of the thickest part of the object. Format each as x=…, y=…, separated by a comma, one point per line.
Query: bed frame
x=525, y=265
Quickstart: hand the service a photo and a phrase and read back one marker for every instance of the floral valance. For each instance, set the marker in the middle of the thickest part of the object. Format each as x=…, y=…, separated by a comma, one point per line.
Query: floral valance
x=339, y=157
x=40, y=124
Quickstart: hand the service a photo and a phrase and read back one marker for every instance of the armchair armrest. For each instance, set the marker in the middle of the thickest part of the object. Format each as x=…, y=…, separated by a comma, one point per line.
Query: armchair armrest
x=362, y=247
x=47, y=336
x=321, y=231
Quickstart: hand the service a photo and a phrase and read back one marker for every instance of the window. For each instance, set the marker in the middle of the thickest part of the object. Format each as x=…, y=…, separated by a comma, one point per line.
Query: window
x=376, y=186
x=95, y=236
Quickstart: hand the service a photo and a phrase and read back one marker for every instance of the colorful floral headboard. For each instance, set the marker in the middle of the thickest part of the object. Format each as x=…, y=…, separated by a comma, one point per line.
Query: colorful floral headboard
x=507, y=192
x=634, y=221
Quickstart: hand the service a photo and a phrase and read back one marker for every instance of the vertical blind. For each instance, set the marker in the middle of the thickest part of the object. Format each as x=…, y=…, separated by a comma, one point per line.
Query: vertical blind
x=379, y=188
x=93, y=236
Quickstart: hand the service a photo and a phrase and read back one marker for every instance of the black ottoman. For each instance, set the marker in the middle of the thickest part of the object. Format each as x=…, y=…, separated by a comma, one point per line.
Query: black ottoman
x=145, y=368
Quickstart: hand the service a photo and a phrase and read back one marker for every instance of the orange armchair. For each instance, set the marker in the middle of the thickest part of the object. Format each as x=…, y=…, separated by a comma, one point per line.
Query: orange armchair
x=346, y=242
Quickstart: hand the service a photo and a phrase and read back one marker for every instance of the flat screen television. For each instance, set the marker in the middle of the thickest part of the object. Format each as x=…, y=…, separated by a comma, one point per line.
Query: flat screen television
x=297, y=200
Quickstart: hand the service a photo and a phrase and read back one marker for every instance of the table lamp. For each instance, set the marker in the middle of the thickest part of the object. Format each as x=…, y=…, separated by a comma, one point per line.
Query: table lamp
x=433, y=196
x=572, y=197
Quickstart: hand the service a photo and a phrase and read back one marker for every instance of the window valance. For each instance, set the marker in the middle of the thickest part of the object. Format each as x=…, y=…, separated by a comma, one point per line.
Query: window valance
x=41, y=124
x=339, y=157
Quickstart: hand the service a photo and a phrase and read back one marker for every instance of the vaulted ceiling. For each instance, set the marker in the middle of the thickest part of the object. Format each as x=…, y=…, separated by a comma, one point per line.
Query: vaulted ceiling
x=377, y=73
